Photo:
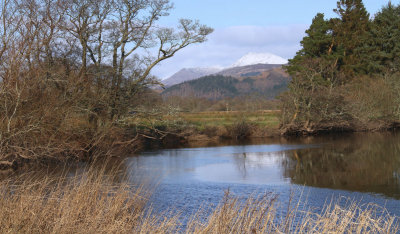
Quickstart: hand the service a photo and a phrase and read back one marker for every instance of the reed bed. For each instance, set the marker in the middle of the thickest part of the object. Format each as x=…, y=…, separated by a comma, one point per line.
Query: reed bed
x=93, y=202
x=261, y=215
x=88, y=203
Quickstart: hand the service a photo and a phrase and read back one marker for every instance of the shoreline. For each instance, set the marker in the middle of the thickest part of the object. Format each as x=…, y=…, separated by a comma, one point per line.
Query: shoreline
x=211, y=136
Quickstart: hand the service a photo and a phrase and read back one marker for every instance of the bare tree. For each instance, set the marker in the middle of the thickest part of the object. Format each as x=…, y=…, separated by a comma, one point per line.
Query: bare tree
x=124, y=35
x=64, y=64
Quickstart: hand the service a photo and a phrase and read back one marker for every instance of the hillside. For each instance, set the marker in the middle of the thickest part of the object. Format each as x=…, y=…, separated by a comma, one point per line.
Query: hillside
x=266, y=83
x=248, y=71
x=187, y=74
x=251, y=64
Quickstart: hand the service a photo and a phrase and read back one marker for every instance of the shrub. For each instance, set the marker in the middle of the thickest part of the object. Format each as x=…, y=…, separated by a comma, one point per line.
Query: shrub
x=240, y=129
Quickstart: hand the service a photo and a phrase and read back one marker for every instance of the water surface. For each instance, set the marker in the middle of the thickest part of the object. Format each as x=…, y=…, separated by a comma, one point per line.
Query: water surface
x=362, y=167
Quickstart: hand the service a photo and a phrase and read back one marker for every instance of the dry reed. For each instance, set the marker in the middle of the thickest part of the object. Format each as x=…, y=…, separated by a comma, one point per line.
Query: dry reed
x=89, y=203
x=94, y=202
x=260, y=215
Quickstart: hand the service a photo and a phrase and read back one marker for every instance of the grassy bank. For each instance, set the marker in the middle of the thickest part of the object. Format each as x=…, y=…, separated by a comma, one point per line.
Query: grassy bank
x=266, y=118
x=186, y=127
x=232, y=124
x=95, y=203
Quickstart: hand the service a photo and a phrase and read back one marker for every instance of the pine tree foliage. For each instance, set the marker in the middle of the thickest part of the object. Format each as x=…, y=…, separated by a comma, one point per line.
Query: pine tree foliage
x=384, y=45
x=350, y=33
x=346, y=71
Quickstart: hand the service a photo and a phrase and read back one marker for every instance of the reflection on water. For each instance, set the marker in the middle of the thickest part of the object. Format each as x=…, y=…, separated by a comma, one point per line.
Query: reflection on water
x=366, y=163
x=359, y=162
x=250, y=164
x=246, y=168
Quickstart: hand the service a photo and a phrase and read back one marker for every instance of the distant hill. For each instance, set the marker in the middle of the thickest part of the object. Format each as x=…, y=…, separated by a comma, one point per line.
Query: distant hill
x=264, y=82
x=189, y=74
x=249, y=63
x=248, y=71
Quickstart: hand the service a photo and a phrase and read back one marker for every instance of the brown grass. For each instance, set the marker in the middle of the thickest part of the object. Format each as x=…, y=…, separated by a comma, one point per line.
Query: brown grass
x=94, y=203
x=260, y=215
x=90, y=203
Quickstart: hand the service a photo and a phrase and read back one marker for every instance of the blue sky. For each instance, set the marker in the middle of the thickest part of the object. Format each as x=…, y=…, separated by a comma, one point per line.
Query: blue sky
x=246, y=26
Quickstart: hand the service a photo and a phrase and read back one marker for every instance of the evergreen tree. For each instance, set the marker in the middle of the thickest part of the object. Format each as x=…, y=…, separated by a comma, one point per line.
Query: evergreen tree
x=346, y=71
x=318, y=53
x=350, y=32
x=318, y=41
x=313, y=71
x=383, y=52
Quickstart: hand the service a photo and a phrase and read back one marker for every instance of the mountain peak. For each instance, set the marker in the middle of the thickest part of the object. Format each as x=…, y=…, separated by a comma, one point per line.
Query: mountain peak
x=259, y=58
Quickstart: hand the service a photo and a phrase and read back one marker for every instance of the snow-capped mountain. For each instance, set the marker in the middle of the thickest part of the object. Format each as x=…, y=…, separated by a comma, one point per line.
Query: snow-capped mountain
x=259, y=58
x=250, y=63
x=187, y=74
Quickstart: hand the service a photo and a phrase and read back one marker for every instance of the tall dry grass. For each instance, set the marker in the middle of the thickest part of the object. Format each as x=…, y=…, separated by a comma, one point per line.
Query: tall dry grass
x=89, y=203
x=262, y=215
x=94, y=203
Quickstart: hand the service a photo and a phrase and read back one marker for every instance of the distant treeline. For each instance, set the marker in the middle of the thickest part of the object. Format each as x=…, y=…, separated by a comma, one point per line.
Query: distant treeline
x=346, y=75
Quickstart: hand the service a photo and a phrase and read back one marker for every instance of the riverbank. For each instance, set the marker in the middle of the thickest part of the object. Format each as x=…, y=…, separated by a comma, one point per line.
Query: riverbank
x=202, y=128
x=337, y=128
x=83, y=141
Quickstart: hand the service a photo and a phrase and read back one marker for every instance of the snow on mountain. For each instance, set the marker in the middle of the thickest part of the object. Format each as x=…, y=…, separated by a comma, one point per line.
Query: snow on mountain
x=187, y=74
x=259, y=58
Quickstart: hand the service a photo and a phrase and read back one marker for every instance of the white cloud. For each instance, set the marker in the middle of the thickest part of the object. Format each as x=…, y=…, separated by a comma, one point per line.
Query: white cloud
x=245, y=36
x=227, y=45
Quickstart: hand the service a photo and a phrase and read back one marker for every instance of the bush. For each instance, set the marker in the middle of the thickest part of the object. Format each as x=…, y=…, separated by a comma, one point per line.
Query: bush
x=364, y=103
x=210, y=131
x=240, y=129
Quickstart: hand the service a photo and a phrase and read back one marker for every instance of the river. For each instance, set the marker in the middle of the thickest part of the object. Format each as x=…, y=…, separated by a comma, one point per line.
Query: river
x=363, y=168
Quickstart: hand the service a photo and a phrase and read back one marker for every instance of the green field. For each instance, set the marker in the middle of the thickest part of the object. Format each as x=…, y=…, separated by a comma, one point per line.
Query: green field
x=267, y=118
